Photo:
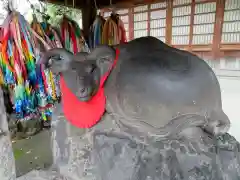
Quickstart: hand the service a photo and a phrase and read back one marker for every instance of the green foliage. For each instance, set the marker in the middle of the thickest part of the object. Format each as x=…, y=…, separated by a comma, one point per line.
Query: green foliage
x=17, y=153
x=56, y=13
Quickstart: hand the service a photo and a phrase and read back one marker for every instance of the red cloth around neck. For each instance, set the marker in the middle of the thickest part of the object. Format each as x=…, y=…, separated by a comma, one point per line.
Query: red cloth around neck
x=84, y=114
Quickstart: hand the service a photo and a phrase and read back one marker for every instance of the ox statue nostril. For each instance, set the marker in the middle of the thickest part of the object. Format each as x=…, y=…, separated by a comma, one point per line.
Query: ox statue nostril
x=82, y=90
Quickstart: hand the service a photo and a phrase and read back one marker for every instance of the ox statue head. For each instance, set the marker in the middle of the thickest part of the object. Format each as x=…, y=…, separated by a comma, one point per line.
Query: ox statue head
x=82, y=72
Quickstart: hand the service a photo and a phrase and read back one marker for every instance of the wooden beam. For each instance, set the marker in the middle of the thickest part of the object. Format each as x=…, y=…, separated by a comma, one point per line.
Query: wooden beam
x=229, y=47
x=116, y=3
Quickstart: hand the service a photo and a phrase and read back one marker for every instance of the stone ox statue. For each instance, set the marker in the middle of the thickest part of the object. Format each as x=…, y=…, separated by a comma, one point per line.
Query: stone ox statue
x=163, y=118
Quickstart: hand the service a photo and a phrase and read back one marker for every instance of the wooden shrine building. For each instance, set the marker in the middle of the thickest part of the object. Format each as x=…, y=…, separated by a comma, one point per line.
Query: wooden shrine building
x=209, y=28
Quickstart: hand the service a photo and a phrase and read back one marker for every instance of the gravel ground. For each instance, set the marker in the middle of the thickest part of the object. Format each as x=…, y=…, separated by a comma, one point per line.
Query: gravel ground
x=33, y=153
x=231, y=102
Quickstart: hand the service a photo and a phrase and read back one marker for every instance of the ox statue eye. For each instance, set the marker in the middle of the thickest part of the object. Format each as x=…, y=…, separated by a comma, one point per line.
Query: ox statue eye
x=90, y=68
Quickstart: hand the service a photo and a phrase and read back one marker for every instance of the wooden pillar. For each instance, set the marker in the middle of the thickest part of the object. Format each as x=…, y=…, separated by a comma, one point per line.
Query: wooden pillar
x=148, y=20
x=220, y=6
x=169, y=22
x=191, y=25
x=88, y=16
x=131, y=24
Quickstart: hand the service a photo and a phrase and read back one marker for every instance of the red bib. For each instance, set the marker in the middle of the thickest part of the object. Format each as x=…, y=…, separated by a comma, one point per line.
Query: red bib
x=84, y=114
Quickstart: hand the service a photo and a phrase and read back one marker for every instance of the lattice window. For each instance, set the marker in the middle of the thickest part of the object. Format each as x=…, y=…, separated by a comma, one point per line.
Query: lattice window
x=231, y=23
x=140, y=21
x=204, y=20
x=181, y=22
x=232, y=5
x=158, y=5
x=140, y=8
x=158, y=20
x=200, y=1
x=181, y=2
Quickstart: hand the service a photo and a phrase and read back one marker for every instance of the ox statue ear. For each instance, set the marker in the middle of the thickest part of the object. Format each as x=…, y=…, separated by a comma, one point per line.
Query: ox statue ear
x=61, y=59
x=104, y=56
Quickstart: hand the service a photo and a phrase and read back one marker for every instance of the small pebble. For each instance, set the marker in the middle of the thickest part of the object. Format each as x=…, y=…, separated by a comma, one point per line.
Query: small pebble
x=28, y=152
